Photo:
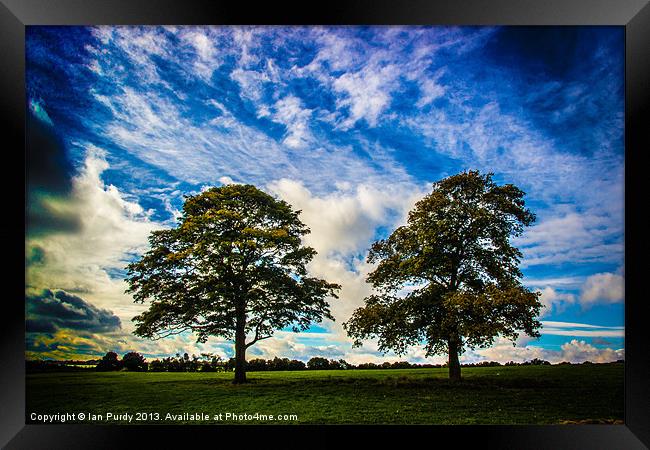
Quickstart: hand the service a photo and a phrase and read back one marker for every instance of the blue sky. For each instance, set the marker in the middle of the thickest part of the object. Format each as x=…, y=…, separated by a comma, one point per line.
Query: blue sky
x=351, y=125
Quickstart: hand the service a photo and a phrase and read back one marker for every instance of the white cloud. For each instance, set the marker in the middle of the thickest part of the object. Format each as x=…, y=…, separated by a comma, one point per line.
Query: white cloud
x=580, y=351
x=206, y=53
x=574, y=351
x=343, y=225
x=586, y=333
x=338, y=52
x=554, y=302
x=600, y=288
x=556, y=324
x=290, y=113
x=244, y=39
x=251, y=82
x=603, y=288
x=555, y=328
x=344, y=222
x=430, y=89
x=139, y=44
x=226, y=180
x=366, y=93
x=555, y=282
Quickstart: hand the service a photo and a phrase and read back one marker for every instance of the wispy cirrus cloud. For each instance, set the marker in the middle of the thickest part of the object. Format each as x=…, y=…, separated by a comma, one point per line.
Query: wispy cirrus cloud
x=580, y=329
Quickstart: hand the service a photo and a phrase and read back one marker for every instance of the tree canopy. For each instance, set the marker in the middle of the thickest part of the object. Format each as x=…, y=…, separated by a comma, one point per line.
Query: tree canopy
x=450, y=278
x=109, y=362
x=233, y=267
x=134, y=362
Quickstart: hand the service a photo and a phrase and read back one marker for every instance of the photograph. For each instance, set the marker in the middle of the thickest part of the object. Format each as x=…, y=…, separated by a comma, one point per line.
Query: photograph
x=325, y=225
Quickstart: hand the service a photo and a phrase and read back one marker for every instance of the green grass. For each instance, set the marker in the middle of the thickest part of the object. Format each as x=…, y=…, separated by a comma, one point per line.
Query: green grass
x=487, y=395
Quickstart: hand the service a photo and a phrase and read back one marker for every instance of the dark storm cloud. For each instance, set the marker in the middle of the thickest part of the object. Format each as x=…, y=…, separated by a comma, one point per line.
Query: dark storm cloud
x=42, y=219
x=49, y=175
x=52, y=310
x=49, y=168
x=40, y=326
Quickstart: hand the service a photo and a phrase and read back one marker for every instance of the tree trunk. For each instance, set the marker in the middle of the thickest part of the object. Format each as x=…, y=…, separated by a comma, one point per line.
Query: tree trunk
x=240, y=348
x=454, y=364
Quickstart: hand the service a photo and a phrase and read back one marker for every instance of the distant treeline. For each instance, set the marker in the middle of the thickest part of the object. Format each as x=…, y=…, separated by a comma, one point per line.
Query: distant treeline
x=208, y=362
x=35, y=366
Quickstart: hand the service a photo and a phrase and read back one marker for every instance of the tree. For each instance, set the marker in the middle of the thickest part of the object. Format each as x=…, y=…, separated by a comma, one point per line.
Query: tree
x=257, y=365
x=332, y=364
x=318, y=363
x=212, y=363
x=109, y=362
x=278, y=364
x=343, y=364
x=158, y=366
x=134, y=362
x=233, y=267
x=536, y=362
x=455, y=259
x=401, y=365
x=295, y=364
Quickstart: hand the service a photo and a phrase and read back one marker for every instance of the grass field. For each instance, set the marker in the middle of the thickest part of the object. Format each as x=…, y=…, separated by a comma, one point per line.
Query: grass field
x=487, y=395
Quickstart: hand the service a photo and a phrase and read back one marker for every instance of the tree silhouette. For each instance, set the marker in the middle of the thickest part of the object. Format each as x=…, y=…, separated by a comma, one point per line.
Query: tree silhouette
x=109, y=362
x=134, y=362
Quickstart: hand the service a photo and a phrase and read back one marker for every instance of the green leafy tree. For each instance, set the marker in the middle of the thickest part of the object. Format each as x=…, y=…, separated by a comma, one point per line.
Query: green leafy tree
x=233, y=267
x=455, y=259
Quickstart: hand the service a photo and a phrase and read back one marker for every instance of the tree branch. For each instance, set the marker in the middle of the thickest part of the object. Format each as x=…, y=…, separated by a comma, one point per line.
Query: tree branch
x=257, y=338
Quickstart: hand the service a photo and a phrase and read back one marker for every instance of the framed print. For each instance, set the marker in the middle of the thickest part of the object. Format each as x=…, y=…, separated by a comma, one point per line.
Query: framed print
x=370, y=217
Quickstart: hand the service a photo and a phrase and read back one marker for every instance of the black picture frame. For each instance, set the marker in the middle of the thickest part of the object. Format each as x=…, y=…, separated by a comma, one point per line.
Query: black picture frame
x=634, y=15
